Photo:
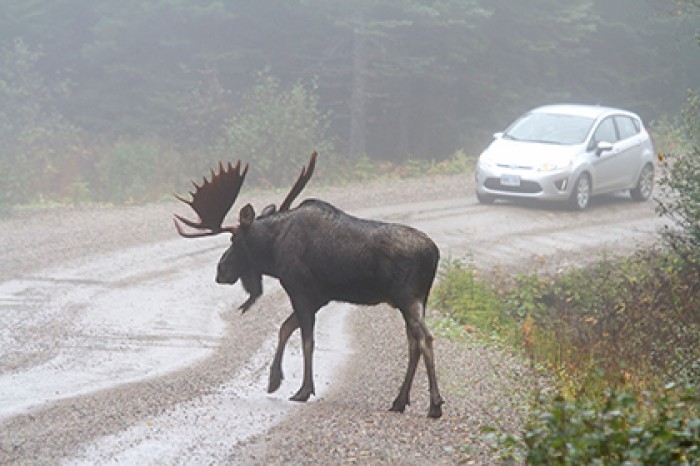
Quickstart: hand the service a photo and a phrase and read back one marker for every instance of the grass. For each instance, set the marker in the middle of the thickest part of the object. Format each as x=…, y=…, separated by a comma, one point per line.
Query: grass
x=621, y=339
x=335, y=170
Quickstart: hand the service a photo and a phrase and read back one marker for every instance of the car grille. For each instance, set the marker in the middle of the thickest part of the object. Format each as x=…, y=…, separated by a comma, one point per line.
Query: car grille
x=514, y=167
x=529, y=187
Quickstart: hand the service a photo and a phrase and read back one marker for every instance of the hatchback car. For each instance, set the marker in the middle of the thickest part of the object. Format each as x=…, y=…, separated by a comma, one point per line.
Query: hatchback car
x=568, y=153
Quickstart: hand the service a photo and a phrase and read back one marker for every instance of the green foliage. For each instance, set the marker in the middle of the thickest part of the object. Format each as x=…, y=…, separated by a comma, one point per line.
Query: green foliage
x=680, y=202
x=134, y=171
x=636, y=320
x=342, y=170
x=669, y=136
x=680, y=187
x=433, y=76
x=408, y=82
x=617, y=428
x=459, y=162
x=468, y=299
x=277, y=131
x=619, y=326
x=41, y=153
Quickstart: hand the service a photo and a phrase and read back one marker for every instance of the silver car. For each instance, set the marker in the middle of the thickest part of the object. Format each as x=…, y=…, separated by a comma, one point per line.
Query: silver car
x=568, y=153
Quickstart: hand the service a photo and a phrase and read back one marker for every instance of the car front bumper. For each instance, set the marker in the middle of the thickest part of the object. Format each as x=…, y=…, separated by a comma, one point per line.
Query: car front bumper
x=554, y=185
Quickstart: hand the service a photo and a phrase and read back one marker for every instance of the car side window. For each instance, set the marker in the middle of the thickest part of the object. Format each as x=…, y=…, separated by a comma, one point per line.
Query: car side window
x=626, y=126
x=605, y=132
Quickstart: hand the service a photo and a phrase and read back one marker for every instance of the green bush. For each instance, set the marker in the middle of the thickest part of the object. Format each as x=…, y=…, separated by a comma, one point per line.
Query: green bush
x=277, y=131
x=679, y=198
x=636, y=319
x=680, y=202
x=42, y=154
x=619, y=326
x=135, y=171
x=619, y=428
x=469, y=299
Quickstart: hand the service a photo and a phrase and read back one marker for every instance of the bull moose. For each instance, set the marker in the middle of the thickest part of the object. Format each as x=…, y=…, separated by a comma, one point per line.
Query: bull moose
x=320, y=254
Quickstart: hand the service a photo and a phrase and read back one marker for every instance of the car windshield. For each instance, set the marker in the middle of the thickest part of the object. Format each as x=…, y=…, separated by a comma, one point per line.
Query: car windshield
x=550, y=128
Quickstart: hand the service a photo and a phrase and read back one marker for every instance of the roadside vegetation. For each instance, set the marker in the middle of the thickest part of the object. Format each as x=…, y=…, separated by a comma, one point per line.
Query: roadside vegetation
x=54, y=163
x=620, y=338
x=124, y=102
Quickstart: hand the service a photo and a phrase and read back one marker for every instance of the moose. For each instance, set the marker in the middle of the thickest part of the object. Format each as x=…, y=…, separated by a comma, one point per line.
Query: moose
x=320, y=254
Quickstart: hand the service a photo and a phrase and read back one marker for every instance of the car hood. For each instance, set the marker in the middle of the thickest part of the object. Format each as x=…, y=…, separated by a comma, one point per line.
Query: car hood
x=526, y=154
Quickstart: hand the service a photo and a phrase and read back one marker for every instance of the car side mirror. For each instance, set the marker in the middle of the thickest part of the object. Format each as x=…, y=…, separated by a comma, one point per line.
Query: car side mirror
x=601, y=147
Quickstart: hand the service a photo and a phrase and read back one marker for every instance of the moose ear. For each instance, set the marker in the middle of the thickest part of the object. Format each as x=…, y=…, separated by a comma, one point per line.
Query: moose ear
x=246, y=215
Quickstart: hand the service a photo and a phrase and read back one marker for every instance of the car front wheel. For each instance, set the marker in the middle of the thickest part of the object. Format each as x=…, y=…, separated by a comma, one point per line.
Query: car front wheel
x=645, y=185
x=581, y=194
x=485, y=198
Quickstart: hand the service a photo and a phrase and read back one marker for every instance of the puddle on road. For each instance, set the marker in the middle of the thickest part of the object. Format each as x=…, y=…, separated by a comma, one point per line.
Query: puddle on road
x=67, y=332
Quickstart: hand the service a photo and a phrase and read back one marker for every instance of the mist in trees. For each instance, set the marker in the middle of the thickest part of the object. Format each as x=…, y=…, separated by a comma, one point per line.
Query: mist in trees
x=123, y=100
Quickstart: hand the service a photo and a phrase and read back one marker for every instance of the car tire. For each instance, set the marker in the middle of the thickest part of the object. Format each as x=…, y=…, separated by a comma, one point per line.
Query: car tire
x=581, y=194
x=485, y=198
x=645, y=184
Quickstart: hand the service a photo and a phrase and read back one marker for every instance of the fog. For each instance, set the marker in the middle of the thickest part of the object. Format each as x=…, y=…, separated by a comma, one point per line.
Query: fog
x=122, y=101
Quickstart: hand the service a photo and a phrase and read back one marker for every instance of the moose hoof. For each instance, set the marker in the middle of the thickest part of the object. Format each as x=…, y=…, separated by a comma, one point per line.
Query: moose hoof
x=302, y=395
x=398, y=406
x=274, y=383
x=435, y=411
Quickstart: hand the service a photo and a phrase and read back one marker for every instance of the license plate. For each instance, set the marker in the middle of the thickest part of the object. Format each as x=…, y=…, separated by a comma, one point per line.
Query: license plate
x=510, y=180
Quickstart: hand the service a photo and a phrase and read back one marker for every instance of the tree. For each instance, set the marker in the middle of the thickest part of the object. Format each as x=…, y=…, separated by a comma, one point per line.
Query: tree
x=384, y=68
x=276, y=131
x=681, y=184
x=41, y=154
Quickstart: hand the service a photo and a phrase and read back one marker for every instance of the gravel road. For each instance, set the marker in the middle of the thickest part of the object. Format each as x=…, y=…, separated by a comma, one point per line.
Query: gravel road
x=348, y=422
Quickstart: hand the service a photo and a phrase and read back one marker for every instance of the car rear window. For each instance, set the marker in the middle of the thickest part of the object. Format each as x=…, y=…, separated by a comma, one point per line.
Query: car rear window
x=626, y=126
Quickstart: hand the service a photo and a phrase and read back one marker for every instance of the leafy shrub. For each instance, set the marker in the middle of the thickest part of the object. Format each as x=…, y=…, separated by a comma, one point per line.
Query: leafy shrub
x=669, y=136
x=459, y=162
x=277, y=131
x=679, y=199
x=135, y=171
x=617, y=428
x=634, y=319
x=41, y=154
x=467, y=298
x=680, y=202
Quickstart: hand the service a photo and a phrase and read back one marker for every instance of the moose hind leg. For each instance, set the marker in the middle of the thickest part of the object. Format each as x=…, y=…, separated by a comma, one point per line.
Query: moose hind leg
x=286, y=329
x=415, y=324
x=436, y=400
x=403, y=398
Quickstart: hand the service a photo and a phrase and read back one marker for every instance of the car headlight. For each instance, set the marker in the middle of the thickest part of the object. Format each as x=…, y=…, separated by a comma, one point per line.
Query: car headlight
x=485, y=161
x=554, y=165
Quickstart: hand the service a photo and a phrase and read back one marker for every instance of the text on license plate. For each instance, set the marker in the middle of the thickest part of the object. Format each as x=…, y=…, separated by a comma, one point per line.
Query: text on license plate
x=510, y=180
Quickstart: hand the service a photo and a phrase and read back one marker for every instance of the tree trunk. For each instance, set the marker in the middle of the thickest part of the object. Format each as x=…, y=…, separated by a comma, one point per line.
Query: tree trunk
x=358, y=98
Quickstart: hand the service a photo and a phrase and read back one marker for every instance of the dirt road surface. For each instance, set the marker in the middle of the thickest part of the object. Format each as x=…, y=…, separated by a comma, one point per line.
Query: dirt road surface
x=117, y=347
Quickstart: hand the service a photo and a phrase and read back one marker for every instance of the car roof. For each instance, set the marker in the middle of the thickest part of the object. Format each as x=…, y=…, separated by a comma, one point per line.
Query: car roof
x=591, y=111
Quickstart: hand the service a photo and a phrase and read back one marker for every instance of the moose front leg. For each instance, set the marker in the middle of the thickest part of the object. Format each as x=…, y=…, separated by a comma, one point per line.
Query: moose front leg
x=307, y=336
x=253, y=285
x=286, y=330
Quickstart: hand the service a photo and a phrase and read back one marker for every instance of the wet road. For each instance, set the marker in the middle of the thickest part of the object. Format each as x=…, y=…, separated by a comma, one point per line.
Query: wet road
x=136, y=355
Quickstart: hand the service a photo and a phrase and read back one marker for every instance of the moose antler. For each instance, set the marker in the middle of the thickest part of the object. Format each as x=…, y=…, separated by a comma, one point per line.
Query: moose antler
x=304, y=178
x=212, y=200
